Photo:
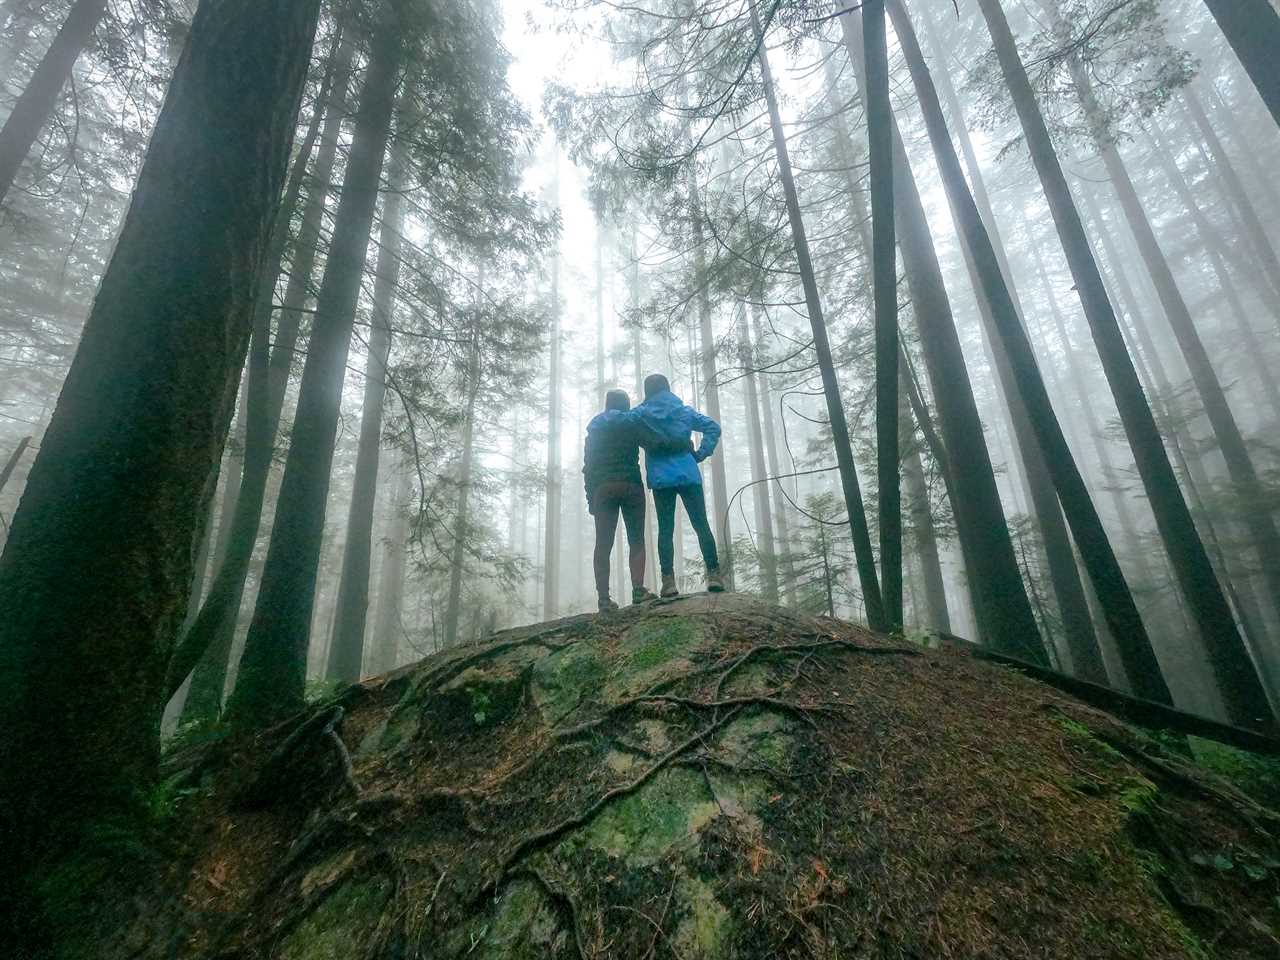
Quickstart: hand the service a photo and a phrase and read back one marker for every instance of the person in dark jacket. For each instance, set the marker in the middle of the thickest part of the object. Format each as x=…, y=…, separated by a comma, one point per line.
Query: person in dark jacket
x=673, y=472
x=611, y=475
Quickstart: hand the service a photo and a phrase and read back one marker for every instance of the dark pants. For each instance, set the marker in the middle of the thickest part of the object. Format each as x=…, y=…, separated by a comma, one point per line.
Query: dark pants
x=607, y=501
x=695, y=504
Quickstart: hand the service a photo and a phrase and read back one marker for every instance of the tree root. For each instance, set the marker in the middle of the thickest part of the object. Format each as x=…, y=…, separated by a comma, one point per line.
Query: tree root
x=273, y=779
x=787, y=649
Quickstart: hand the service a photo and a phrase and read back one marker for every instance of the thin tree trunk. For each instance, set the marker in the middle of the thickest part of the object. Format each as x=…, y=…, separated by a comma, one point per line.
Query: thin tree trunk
x=1252, y=27
x=867, y=577
x=783, y=541
x=1196, y=578
x=711, y=389
x=462, y=519
x=554, y=482
x=95, y=574
x=387, y=621
x=272, y=674
x=346, y=653
x=12, y=463
x=921, y=514
x=884, y=266
x=36, y=103
x=1001, y=604
x=765, y=548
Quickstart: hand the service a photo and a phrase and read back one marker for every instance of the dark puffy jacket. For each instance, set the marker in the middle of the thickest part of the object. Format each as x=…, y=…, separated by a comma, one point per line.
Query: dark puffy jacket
x=612, y=451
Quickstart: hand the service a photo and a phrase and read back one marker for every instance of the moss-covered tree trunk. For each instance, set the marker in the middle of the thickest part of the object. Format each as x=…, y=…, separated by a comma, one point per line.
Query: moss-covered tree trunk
x=272, y=673
x=95, y=574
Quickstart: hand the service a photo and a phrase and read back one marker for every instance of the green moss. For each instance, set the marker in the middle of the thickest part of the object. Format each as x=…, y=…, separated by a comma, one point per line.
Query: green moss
x=706, y=927
x=659, y=640
x=1083, y=733
x=1255, y=775
x=645, y=826
x=566, y=679
x=764, y=738
x=521, y=926
x=478, y=698
x=334, y=929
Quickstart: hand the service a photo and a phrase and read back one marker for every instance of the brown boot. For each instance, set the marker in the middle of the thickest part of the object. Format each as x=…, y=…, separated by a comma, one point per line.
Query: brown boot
x=607, y=605
x=715, y=581
x=669, y=588
x=642, y=594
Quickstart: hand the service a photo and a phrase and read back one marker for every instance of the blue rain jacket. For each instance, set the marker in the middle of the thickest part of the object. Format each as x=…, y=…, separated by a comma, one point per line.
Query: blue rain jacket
x=669, y=417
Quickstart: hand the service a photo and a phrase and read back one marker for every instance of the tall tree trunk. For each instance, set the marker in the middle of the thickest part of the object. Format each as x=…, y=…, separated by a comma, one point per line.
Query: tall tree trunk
x=711, y=388
x=1086, y=526
x=1064, y=575
x=387, y=622
x=1252, y=27
x=926, y=541
x=462, y=519
x=37, y=102
x=765, y=549
x=1001, y=604
x=346, y=653
x=1240, y=468
x=272, y=674
x=98, y=563
x=867, y=577
x=555, y=478
x=11, y=464
x=206, y=643
x=1195, y=574
x=884, y=273
x=783, y=541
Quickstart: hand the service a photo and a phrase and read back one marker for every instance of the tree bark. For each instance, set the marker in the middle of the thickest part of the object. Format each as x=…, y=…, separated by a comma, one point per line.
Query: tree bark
x=1064, y=575
x=98, y=564
x=822, y=347
x=1001, y=605
x=551, y=544
x=387, y=622
x=36, y=103
x=1252, y=27
x=272, y=674
x=884, y=267
x=206, y=643
x=1196, y=578
x=782, y=542
x=1086, y=526
x=346, y=652
x=765, y=549
x=462, y=518
x=12, y=463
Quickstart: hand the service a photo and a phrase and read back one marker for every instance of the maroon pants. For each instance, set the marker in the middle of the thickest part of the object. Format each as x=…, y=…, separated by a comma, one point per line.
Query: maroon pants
x=607, y=501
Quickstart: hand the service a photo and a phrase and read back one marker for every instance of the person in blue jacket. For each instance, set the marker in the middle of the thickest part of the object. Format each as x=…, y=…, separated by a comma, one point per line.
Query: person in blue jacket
x=673, y=472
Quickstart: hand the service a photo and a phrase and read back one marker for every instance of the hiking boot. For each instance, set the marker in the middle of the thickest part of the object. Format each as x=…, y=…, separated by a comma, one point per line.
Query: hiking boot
x=642, y=594
x=607, y=605
x=715, y=581
x=669, y=588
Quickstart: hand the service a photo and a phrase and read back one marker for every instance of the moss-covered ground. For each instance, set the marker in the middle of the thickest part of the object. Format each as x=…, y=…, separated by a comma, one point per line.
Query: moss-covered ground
x=706, y=778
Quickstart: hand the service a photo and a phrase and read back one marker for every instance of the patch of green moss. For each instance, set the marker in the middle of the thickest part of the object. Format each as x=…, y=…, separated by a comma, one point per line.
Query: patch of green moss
x=707, y=925
x=659, y=640
x=1252, y=774
x=765, y=738
x=521, y=926
x=566, y=679
x=336, y=928
x=478, y=698
x=1083, y=733
x=400, y=726
x=643, y=827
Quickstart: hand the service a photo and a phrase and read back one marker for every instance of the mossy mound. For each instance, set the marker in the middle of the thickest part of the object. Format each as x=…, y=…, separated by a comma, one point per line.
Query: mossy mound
x=707, y=778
